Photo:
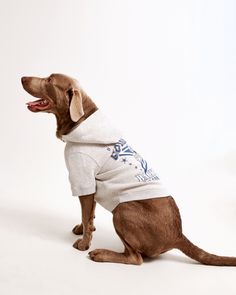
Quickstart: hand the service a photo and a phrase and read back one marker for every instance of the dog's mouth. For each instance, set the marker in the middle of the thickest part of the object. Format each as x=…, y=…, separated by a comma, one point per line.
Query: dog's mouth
x=38, y=105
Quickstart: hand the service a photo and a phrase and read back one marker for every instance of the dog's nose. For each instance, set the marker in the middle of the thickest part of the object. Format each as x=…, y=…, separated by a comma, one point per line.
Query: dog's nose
x=24, y=80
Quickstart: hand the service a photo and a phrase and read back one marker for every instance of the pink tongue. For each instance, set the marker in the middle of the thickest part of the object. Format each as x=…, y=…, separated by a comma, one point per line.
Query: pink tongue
x=33, y=103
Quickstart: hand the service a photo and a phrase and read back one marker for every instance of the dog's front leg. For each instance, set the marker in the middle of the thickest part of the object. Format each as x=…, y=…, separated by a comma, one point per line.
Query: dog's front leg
x=87, y=207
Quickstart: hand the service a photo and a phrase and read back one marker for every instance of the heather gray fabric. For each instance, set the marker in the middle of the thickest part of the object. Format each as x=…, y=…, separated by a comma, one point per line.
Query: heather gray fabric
x=99, y=161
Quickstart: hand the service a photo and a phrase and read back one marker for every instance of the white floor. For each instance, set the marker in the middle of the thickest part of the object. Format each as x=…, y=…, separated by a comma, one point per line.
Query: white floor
x=37, y=257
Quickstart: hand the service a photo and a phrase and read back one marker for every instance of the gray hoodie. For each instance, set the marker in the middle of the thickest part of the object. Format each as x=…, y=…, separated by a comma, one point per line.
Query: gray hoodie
x=101, y=162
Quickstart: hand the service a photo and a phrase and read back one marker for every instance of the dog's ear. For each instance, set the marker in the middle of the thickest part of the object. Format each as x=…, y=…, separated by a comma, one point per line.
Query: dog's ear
x=76, y=105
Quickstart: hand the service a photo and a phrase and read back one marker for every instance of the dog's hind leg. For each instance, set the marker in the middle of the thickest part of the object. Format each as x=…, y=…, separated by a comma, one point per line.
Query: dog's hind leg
x=128, y=257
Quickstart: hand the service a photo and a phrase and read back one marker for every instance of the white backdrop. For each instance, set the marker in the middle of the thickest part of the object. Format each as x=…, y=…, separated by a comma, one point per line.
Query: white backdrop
x=165, y=72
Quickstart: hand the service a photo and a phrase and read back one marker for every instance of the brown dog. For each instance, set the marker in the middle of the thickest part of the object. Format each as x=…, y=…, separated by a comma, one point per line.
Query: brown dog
x=146, y=227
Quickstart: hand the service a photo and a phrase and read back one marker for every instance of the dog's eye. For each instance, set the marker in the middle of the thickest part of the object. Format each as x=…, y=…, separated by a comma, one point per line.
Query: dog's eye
x=49, y=79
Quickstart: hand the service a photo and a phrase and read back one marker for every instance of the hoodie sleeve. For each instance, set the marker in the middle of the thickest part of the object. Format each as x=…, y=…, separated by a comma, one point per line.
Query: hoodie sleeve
x=82, y=172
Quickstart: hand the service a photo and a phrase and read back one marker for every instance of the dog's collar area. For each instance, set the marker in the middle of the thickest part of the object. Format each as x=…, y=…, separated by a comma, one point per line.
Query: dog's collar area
x=94, y=130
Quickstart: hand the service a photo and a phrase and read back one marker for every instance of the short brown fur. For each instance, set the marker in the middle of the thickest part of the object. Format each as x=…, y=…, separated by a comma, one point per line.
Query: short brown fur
x=147, y=228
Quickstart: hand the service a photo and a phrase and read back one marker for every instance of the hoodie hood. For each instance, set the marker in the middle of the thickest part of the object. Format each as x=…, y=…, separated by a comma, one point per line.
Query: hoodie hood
x=96, y=129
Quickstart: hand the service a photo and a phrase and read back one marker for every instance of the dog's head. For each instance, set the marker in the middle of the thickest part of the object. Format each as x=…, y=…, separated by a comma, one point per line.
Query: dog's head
x=58, y=94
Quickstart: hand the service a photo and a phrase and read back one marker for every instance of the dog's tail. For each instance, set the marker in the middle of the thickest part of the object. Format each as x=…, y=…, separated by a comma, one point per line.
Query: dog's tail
x=202, y=256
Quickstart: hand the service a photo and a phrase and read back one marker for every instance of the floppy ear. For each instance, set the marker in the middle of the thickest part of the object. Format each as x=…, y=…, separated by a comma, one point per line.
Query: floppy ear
x=76, y=105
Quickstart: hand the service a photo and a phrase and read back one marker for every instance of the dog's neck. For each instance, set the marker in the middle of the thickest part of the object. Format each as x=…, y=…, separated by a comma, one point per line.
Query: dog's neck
x=64, y=123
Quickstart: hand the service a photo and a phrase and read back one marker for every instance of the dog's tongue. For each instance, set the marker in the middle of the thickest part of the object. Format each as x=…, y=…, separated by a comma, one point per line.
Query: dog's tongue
x=38, y=105
x=33, y=103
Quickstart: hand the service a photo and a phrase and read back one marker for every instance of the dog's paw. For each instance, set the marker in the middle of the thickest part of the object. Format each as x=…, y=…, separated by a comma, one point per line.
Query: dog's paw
x=97, y=255
x=81, y=245
x=78, y=229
